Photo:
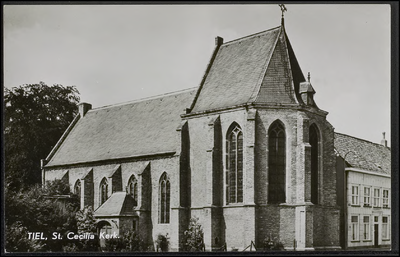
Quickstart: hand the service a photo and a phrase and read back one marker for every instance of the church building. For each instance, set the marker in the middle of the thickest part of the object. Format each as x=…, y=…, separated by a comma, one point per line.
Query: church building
x=248, y=152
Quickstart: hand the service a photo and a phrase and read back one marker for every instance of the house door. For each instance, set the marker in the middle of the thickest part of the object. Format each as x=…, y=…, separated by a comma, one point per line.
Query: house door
x=376, y=234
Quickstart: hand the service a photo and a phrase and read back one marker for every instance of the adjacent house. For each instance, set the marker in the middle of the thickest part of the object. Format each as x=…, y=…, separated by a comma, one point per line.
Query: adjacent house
x=364, y=172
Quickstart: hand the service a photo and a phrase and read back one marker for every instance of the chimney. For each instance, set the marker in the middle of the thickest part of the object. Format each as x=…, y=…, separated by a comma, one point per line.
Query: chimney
x=84, y=108
x=384, y=141
x=219, y=41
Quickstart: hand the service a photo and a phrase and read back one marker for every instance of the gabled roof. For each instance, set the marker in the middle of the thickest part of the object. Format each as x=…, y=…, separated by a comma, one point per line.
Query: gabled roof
x=362, y=154
x=258, y=68
x=137, y=128
x=119, y=204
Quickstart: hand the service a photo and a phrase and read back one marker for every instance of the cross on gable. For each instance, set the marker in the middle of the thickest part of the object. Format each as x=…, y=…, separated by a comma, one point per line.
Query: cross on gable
x=283, y=8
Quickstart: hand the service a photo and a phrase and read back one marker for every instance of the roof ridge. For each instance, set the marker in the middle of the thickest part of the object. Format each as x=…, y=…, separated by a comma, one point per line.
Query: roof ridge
x=359, y=139
x=144, y=99
x=248, y=36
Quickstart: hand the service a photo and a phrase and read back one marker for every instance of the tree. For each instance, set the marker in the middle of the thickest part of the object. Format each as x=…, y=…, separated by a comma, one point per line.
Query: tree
x=36, y=115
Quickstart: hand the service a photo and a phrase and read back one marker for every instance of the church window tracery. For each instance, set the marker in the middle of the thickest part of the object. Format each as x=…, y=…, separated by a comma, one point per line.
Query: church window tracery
x=103, y=191
x=77, y=189
x=234, y=162
x=164, y=199
x=276, y=163
x=133, y=189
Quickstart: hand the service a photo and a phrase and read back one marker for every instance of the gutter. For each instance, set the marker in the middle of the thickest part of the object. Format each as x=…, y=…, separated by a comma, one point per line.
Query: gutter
x=368, y=172
x=170, y=153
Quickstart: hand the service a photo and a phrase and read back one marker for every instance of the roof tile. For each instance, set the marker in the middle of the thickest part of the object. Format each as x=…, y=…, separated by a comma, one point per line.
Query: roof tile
x=119, y=203
x=142, y=127
x=236, y=71
x=362, y=154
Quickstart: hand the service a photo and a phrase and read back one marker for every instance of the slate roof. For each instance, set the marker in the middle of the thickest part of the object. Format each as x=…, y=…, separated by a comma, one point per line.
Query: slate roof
x=119, y=204
x=362, y=154
x=260, y=68
x=240, y=67
x=141, y=127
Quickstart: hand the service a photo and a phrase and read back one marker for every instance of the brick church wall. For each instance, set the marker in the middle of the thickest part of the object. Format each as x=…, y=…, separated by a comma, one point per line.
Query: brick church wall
x=264, y=120
x=149, y=217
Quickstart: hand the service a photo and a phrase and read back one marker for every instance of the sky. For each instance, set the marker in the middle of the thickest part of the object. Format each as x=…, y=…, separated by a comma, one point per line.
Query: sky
x=120, y=53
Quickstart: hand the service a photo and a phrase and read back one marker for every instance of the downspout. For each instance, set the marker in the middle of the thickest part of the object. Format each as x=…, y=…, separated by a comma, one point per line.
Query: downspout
x=346, y=234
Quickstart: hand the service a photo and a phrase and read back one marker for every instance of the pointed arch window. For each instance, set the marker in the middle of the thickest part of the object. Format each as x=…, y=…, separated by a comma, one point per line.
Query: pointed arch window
x=77, y=188
x=276, y=163
x=133, y=189
x=103, y=190
x=234, y=163
x=314, y=142
x=164, y=199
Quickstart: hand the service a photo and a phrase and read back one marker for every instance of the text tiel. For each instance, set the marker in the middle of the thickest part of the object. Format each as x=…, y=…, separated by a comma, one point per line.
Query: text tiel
x=69, y=236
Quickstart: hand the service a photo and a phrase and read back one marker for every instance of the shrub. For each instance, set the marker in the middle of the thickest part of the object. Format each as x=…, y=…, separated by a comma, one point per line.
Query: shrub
x=32, y=210
x=129, y=242
x=193, y=237
x=272, y=244
x=17, y=240
x=86, y=224
x=162, y=243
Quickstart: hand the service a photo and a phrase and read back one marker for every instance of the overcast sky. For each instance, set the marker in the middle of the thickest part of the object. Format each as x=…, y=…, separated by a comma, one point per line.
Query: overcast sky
x=115, y=54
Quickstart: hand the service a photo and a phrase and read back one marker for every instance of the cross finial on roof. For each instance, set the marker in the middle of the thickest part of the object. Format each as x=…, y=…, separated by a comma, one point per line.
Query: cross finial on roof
x=283, y=9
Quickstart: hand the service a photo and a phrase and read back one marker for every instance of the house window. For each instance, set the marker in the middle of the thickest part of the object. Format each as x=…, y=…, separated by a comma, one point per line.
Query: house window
x=77, y=189
x=234, y=150
x=164, y=199
x=354, y=195
x=385, y=198
x=133, y=189
x=385, y=227
x=314, y=140
x=103, y=191
x=367, y=196
x=354, y=228
x=276, y=163
x=376, y=197
x=367, y=228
